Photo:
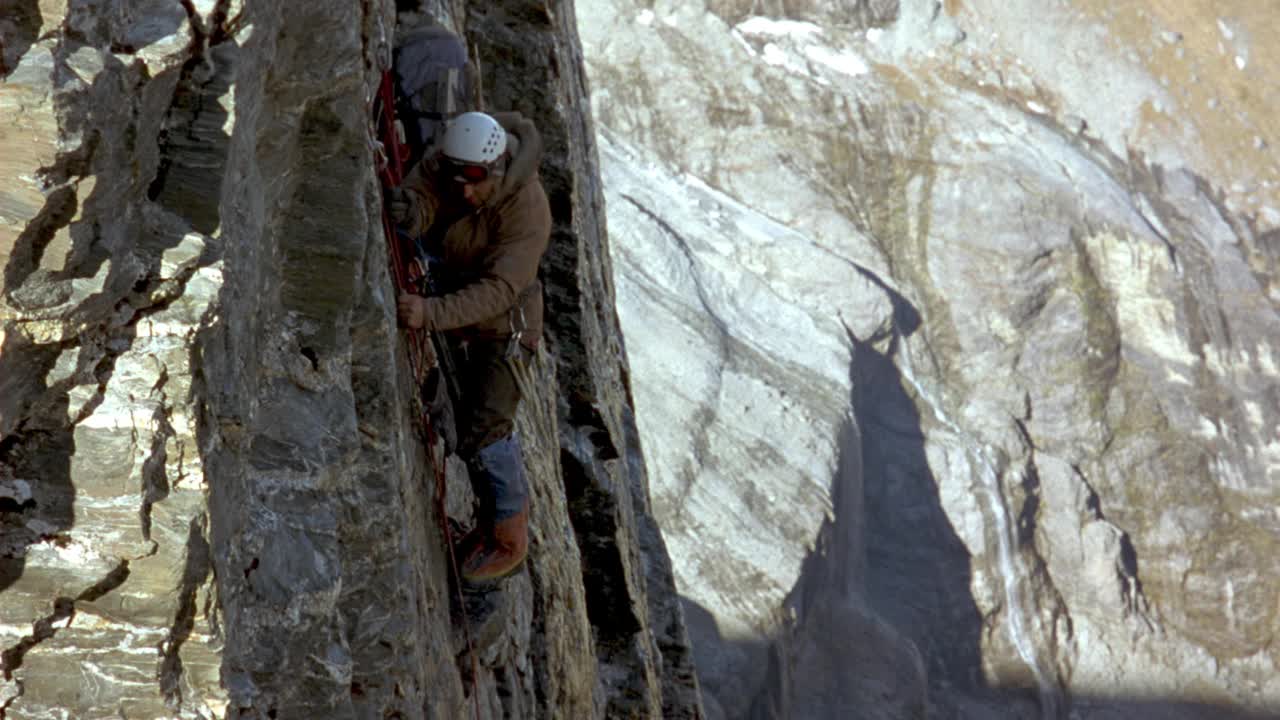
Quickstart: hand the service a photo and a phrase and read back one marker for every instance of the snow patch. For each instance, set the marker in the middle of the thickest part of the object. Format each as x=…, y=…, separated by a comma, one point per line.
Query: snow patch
x=790, y=43
x=778, y=57
x=778, y=28
x=842, y=62
x=645, y=17
x=774, y=55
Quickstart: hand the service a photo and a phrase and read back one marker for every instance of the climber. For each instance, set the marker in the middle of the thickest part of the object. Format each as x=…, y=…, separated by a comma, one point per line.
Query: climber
x=481, y=210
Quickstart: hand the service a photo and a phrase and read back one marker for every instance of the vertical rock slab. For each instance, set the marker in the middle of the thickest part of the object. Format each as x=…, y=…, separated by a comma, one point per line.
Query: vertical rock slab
x=531, y=61
x=162, y=430
x=328, y=554
x=213, y=494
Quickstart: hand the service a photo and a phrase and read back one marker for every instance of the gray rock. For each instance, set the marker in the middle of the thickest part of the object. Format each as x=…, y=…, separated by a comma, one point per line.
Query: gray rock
x=213, y=498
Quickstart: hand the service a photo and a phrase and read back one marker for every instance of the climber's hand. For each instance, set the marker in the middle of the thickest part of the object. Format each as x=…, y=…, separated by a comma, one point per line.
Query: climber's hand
x=411, y=310
x=399, y=205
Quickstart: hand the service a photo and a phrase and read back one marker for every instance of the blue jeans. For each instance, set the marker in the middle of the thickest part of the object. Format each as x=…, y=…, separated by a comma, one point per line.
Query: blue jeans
x=486, y=414
x=498, y=471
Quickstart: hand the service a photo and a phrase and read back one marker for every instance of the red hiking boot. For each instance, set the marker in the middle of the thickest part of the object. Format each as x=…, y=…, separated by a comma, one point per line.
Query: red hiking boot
x=502, y=553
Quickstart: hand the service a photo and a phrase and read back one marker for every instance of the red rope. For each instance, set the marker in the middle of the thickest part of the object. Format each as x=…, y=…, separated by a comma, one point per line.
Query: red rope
x=391, y=174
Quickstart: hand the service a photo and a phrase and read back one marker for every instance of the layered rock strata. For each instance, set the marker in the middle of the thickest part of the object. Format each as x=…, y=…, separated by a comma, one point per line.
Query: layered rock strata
x=953, y=329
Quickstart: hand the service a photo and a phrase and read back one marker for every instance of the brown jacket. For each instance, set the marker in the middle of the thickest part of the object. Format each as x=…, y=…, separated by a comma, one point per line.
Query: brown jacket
x=489, y=255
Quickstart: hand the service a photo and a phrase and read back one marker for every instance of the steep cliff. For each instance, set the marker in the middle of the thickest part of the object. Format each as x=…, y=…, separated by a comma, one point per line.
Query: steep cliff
x=954, y=331
x=214, y=499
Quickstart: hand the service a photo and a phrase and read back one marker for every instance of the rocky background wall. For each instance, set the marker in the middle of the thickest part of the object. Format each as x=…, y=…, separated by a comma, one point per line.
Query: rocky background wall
x=955, y=337
x=213, y=497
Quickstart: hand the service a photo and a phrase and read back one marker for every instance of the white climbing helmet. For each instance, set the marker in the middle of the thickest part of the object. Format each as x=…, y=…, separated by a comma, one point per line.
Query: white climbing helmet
x=474, y=138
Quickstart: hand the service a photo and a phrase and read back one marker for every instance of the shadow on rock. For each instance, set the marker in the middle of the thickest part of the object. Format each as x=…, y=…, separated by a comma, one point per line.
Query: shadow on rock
x=839, y=656
x=36, y=494
x=39, y=424
x=193, y=142
x=20, y=24
x=918, y=572
x=717, y=659
x=881, y=622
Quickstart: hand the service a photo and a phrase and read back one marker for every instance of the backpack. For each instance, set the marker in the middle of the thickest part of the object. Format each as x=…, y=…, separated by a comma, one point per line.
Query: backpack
x=431, y=85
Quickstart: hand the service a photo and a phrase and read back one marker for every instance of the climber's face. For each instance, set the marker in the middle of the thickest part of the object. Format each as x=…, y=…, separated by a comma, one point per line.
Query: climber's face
x=472, y=183
x=477, y=194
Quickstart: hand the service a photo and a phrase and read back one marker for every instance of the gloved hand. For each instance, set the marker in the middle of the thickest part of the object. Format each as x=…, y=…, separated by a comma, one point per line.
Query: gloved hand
x=411, y=310
x=399, y=205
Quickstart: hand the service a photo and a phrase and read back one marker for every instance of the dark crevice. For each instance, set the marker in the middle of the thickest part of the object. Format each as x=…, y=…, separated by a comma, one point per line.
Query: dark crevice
x=1142, y=204
x=24, y=20
x=507, y=689
x=60, y=207
x=4, y=709
x=45, y=443
x=1092, y=503
x=1127, y=564
x=222, y=27
x=64, y=609
x=193, y=144
x=211, y=606
x=1128, y=568
x=38, y=444
x=586, y=417
x=197, y=26
x=155, y=480
x=194, y=573
x=11, y=505
x=29, y=248
x=686, y=250
x=593, y=512
x=71, y=165
x=311, y=355
x=1030, y=511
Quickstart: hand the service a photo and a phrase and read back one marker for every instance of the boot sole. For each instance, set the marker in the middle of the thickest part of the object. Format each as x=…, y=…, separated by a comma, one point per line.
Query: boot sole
x=494, y=577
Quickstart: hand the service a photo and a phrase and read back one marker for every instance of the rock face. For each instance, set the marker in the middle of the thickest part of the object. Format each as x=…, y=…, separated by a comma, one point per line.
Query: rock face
x=954, y=332
x=214, y=499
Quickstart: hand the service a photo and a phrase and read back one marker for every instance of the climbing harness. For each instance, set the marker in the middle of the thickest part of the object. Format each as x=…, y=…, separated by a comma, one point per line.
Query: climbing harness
x=391, y=154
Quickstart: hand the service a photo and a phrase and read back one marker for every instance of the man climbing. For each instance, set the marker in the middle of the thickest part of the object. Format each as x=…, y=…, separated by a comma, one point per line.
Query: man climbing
x=482, y=212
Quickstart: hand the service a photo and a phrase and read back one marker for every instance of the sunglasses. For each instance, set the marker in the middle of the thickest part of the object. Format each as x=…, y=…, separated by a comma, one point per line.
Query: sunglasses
x=466, y=173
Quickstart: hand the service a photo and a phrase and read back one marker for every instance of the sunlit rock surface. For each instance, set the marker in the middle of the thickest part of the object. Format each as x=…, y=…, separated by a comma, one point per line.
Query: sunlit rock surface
x=214, y=501
x=954, y=334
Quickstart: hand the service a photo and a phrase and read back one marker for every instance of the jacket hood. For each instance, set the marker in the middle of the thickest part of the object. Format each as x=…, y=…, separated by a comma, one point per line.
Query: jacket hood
x=525, y=145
